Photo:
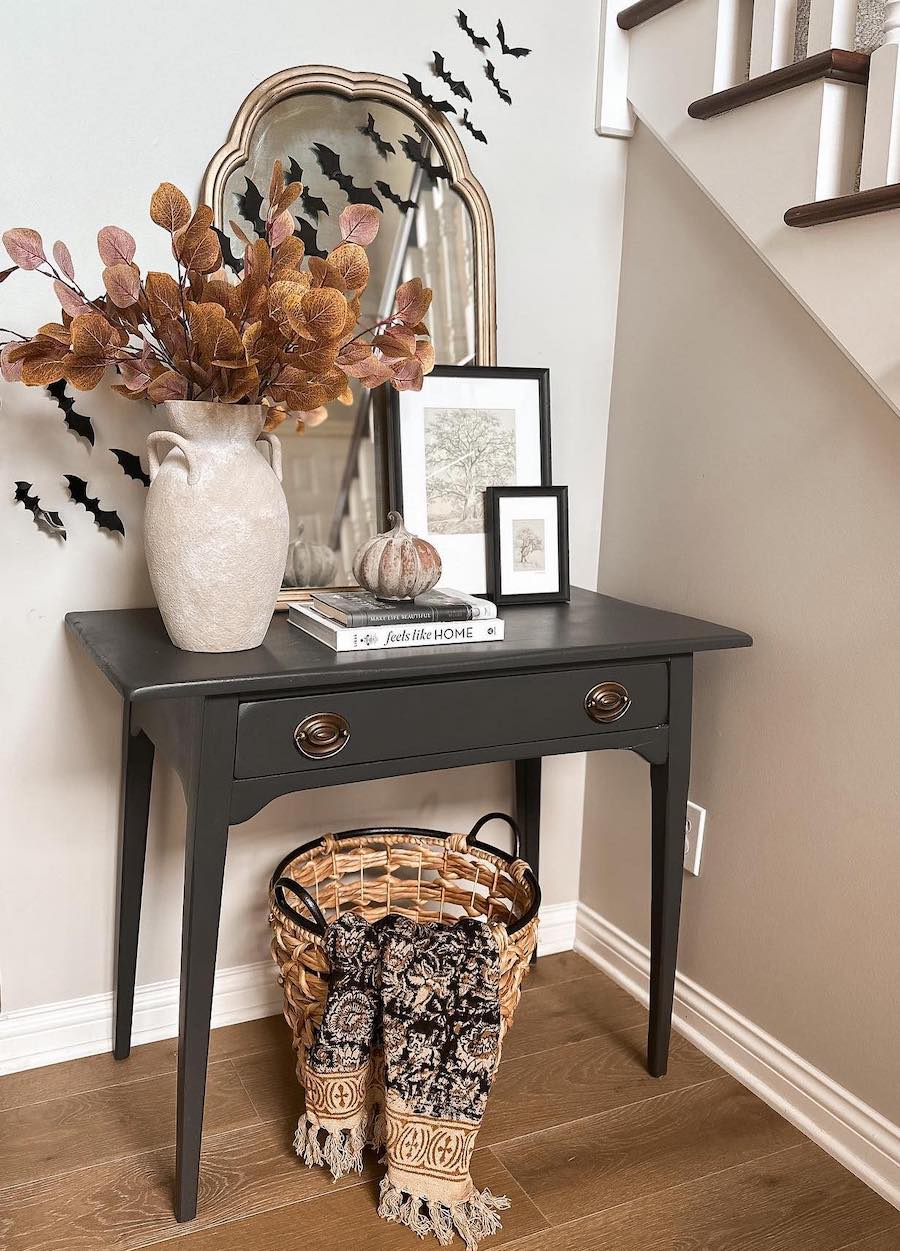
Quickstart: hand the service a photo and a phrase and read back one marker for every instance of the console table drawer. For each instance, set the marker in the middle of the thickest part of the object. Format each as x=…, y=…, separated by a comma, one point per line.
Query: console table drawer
x=354, y=727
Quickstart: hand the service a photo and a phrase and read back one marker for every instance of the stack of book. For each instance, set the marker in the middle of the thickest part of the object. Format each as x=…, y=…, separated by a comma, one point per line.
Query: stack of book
x=356, y=621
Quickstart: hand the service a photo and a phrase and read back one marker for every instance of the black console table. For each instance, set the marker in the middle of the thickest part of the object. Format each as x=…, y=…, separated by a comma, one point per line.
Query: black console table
x=244, y=727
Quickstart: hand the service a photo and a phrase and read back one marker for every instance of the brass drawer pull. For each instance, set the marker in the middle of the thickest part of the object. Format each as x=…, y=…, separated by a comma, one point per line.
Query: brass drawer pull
x=322, y=734
x=607, y=701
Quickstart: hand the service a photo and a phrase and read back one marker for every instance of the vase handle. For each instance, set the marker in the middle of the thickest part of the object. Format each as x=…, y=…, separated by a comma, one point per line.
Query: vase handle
x=274, y=446
x=167, y=436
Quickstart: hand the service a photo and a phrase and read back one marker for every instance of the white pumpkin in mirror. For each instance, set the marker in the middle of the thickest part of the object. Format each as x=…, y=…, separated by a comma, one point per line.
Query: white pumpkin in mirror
x=397, y=564
x=309, y=564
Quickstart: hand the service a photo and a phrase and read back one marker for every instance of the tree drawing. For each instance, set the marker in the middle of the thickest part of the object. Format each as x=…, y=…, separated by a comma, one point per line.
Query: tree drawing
x=527, y=541
x=466, y=449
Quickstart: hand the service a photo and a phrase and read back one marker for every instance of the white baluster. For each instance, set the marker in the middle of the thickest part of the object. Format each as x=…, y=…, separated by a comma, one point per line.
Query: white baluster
x=772, y=39
x=733, y=26
x=832, y=24
x=881, y=143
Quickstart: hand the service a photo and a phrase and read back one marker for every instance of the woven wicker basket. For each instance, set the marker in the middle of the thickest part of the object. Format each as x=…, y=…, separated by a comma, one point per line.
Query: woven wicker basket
x=426, y=875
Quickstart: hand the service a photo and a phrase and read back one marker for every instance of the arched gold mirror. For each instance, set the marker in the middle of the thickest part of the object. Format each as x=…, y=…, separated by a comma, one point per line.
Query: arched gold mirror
x=364, y=138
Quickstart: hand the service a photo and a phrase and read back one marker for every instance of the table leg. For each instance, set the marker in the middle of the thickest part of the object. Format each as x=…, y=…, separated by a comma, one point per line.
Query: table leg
x=669, y=789
x=528, y=810
x=137, y=774
x=209, y=795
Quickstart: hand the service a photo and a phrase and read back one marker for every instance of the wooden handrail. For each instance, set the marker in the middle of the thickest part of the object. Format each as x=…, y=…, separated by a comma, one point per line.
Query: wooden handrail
x=635, y=14
x=841, y=207
x=836, y=64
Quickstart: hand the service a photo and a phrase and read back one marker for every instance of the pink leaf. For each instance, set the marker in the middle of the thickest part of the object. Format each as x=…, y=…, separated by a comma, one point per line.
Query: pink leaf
x=69, y=300
x=134, y=375
x=116, y=246
x=282, y=228
x=408, y=376
x=123, y=284
x=11, y=371
x=25, y=247
x=63, y=258
x=359, y=224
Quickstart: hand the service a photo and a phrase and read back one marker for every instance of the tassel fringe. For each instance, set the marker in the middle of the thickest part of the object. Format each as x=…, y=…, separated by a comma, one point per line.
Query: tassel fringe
x=341, y=1151
x=474, y=1219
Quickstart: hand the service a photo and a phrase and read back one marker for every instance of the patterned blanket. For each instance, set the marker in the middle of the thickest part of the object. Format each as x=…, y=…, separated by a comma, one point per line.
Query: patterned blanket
x=404, y=1058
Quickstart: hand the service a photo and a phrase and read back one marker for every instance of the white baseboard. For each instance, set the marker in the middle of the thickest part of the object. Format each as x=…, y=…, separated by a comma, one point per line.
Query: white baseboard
x=556, y=931
x=856, y=1135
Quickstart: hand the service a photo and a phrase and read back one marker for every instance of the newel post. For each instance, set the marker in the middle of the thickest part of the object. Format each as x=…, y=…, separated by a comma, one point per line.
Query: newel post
x=881, y=141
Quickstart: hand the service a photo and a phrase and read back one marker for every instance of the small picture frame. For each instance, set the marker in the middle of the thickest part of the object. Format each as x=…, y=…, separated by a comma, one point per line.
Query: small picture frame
x=527, y=543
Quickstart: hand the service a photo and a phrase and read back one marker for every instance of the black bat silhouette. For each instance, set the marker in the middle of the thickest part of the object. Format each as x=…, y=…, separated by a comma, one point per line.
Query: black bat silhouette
x=330, y=165
x=105, y=519
x=504, y=46
x=419, y=93
x=44, y=518
x=234, y=263
x=382, y=146
x=250, y=207
x=466, y=123
x=390, y=194
x=456, y=85
x=463, y=23
x=77, y=422
x=313, y=205
x=306, y=231
x=131, y=465
x=492, y=77
x=413, y=149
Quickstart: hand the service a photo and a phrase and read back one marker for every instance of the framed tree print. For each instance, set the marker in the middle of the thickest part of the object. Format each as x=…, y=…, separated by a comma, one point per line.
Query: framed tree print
x=527, y=545
x=469, y=428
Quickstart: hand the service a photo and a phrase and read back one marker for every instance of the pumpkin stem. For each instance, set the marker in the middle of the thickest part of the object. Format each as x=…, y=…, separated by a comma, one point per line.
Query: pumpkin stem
x=395, y=521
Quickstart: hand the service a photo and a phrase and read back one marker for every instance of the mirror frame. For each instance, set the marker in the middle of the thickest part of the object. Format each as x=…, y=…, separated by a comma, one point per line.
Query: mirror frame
x=304, y=79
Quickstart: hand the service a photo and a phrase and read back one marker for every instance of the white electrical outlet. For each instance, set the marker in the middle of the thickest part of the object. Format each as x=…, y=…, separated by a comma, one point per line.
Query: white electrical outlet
x=693, y=838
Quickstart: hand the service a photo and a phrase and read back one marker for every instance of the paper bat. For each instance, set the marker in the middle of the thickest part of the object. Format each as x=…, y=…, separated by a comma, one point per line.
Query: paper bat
x=250, y=208
x=77, y=422
x=306, y=231
x=44, y=518
x=382, y=146
x=492, y=77
x=504, y=46
x=131, y=465
x=456, y=85
x=234, y=263
x=465, y=122
x=463, y=23
x=105, y=519
x=413, y=149
x=419, y=93
x=313, y=205
x=390, y=194
x=330, y=165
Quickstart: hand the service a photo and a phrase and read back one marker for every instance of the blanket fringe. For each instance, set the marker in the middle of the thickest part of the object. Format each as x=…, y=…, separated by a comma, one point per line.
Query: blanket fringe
x=473, y=1219
x=341, y=1151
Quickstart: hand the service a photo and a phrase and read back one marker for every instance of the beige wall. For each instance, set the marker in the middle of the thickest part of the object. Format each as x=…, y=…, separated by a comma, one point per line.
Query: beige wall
x=754, y=478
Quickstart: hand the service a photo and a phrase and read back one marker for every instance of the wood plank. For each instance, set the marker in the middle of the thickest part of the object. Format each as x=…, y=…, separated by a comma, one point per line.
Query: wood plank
x=887, y=1240
x=842, y=207
x=46, y=1139
x=797, y=1200
x=128, y=1203
x=562, y=966
x=150, y=1060
x=551, y=1016
x=603, y=1160
x=347, y=1221
x=836, y=65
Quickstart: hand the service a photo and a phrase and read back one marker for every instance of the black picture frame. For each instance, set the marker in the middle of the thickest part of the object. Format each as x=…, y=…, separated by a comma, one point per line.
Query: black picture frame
x=492, y=500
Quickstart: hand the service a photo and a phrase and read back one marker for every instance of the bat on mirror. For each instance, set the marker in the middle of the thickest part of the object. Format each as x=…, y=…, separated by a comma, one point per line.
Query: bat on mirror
x=419, y=93
x=131, y=465
x=456, y=85
x=390, y=194
x=330, y=165
x=463, y=23
x=313, y=205
x=250, y=207
x=307, y=232
x=381, y=145
x=105, y=519
x=234, y=263
x=44, y=518
x=413, y=149
x=77, y=422
x=504, y=46
x=466, y=124
x=491, y=75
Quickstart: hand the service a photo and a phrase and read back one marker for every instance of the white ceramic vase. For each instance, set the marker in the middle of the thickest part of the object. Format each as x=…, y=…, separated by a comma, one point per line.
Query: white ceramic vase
x=216, y=525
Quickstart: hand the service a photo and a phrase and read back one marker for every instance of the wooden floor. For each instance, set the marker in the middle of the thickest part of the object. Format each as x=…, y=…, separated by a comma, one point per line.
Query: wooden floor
x=594, y=1154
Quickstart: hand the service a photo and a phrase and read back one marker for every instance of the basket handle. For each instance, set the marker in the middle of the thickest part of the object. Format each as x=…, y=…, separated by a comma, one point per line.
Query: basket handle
x=498, y=816
x=287, y=883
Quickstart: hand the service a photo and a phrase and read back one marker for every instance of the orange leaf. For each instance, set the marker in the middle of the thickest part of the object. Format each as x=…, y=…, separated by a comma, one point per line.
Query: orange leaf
x=163, y=296
x=425, y=356
x=170, y=208
x=313, y=358
x=91, y=335
x=324, y=312
x=84, y=372
x=352, y=264
x=287, y=257
x=324, y=274
x=123, y=284
x=199, y=251
x=359, y=224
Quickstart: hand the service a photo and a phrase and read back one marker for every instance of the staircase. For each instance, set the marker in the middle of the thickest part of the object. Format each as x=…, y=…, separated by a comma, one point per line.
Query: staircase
x=787, y=114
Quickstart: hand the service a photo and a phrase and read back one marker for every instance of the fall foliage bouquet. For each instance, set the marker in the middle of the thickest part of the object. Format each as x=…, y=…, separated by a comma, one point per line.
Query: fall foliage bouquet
x=283, y=334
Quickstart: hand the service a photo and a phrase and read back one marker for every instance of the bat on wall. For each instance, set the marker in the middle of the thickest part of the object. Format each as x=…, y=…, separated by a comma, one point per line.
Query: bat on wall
x=491, y=75
x=413, y=149
x=307, y=232
x=313, y=205
x=105, y=519
x=44, y=518
x=131, y=465
x=330, y=165
x=463, y=23
x=381, y=145
x=234, y=263
x=390, y=194
x=250, y=207
x=456, y=85
x=466, y=123
x=419, y=93
x=504, y=46
x=77, y=422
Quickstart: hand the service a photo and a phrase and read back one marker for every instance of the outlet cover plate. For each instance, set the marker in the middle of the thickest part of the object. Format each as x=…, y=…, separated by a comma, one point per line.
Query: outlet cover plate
x=694, y=829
